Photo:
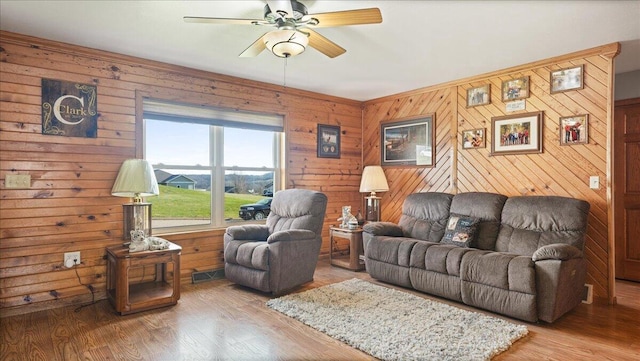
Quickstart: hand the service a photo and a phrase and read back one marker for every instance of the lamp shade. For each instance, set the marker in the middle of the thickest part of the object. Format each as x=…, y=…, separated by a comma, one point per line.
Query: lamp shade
x=285, y=43
x=373, y=180
x=136, y=179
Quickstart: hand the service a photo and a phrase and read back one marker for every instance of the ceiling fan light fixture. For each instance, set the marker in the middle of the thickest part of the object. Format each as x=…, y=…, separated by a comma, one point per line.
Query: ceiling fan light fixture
x=286, y=43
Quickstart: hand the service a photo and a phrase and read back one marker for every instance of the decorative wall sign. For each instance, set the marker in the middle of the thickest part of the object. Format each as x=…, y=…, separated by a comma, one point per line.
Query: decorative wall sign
x=69, y=109
x=516, y=134
x=516, y=105
x=328, y=141
x=408, y=142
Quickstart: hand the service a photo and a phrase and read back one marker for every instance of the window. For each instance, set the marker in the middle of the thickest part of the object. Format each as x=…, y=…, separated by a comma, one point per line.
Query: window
x=210, y=164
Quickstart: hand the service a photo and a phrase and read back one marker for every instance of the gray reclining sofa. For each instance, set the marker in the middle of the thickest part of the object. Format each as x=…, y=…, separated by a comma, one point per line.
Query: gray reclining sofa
x=518, y=256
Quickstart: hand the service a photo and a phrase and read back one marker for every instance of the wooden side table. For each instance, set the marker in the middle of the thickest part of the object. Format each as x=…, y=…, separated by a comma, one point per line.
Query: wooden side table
x=131, y=287
x=351, y=260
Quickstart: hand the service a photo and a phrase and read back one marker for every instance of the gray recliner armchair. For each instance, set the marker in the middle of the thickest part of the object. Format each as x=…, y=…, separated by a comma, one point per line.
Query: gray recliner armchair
x=282, y=254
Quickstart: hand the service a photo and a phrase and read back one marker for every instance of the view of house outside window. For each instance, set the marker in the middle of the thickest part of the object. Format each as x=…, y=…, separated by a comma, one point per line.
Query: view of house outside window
x=210, y=175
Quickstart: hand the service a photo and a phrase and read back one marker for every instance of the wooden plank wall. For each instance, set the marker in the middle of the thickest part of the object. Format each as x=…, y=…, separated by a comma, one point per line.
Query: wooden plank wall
x=559, y=170
x=69, y=206
x=405, y=180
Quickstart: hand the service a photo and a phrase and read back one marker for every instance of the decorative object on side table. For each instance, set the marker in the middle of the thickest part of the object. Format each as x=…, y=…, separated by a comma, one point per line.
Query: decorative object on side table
x=373, y=180
x=517, y=134
x=348, y=220
x=136, y=179
x=140, y=242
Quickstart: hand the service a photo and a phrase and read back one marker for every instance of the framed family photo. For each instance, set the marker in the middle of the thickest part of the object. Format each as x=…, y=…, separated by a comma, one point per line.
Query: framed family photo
x=479, y=96
x=408, y=142
x=473, y=139
x=567, y=79
x=328, y=141
x=516, y=134
x=515, y=89
x=574, y=130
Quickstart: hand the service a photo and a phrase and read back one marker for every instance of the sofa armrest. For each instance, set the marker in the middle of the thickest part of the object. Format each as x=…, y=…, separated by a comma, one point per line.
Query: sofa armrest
x=383, y=229
x=556, y=251
x=291, y=235
x=252, y=232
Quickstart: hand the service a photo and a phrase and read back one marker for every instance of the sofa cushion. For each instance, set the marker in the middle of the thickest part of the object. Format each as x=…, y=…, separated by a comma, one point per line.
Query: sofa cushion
x=390, y=250
x=461, y=231
x=248, y=254
x=531, y=222
x=500, y=270
x=424, y=215
x=485, y=206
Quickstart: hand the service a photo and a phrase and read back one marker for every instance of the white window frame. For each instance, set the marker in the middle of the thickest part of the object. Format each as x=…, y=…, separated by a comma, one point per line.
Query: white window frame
x=217, y=119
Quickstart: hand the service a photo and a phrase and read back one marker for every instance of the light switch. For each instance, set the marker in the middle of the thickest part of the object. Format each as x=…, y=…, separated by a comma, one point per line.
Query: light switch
x=21, y=181
x=594, y=182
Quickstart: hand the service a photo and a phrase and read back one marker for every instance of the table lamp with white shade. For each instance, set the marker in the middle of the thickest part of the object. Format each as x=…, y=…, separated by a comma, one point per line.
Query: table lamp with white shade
x=136, y=179
x=373, y=180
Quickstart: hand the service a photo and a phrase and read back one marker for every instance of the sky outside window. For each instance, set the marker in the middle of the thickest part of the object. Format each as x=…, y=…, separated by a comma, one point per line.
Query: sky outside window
x=188, y=144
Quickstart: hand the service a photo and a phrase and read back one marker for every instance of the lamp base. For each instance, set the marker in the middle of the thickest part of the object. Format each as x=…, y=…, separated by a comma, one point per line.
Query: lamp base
x=136, y=216
x=372, y=209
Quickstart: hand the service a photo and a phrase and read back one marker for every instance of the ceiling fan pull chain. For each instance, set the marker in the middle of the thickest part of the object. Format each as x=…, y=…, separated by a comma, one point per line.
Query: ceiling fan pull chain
x=284, y=76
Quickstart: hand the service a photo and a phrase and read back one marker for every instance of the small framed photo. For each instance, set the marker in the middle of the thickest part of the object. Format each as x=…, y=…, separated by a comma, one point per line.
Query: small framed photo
x=479, y=96
x=516, y=134
x=408, y=142
x=515, y=89
x=473, y=139
x=574, y=130
x=567, y=79
x=328, y=141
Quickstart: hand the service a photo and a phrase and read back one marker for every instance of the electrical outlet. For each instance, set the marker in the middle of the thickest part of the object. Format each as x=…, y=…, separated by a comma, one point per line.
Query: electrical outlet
x=71, y=259
x=594, y=182
x=19, y=181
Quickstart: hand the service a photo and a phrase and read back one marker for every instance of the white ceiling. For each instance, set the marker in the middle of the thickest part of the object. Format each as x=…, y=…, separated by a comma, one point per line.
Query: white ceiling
x=419, y=43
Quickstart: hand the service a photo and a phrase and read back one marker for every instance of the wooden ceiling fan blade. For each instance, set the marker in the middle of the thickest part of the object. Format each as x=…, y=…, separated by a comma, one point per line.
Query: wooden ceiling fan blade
x=348, y=17
x=254, y=49
x=324, y=45
x=281, y=6
x=227, y=21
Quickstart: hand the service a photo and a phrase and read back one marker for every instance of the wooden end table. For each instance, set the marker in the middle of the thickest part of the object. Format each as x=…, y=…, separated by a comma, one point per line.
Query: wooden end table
x=354, y=258
x=131, y=287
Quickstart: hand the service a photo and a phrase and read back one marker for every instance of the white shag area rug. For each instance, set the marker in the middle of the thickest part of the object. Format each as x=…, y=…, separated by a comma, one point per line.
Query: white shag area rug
x=395, y=325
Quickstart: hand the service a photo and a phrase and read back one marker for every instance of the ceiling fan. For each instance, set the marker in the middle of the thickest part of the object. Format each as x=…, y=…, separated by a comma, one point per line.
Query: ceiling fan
x=294, y=28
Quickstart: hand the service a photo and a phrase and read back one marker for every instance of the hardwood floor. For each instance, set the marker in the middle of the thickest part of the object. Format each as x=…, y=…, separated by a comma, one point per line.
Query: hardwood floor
x=217, y=320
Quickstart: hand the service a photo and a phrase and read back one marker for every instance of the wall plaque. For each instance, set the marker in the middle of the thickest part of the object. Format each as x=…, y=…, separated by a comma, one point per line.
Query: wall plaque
x=69, y=109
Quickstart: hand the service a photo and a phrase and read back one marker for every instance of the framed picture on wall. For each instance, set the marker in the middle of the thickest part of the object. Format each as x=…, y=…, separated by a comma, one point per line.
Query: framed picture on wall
x=408, y=142
x=479, y=96
x=566, y=79
x=473, y=139
x=328, y=141
x=574, y=130
x=515, y=89
x=517, y=134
